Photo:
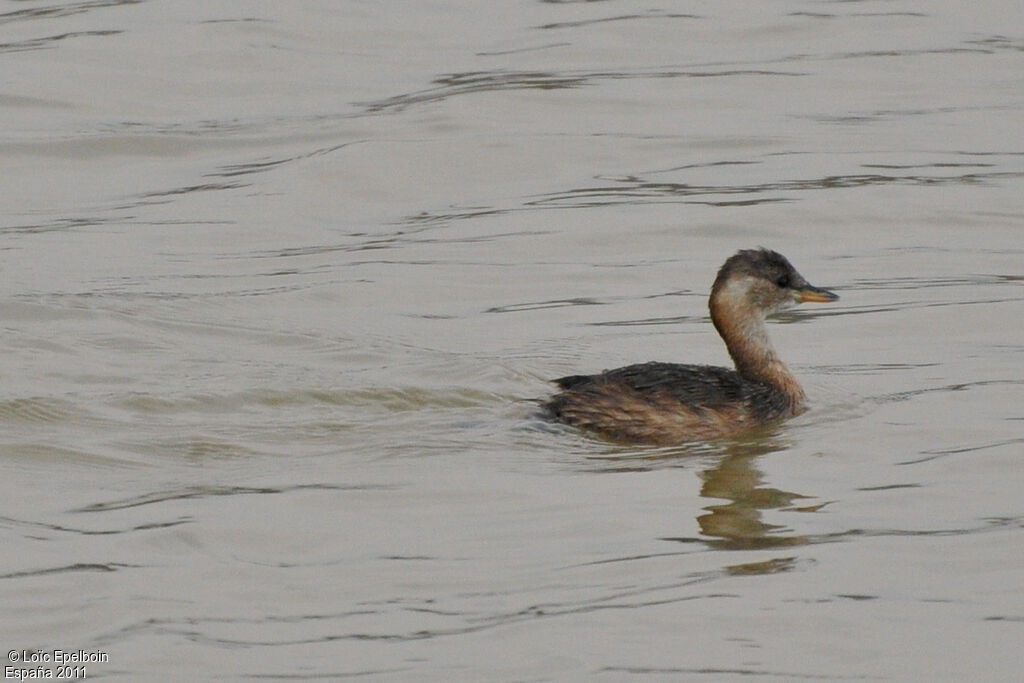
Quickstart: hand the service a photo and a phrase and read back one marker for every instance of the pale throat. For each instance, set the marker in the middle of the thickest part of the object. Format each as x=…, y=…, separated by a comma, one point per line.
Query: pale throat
x=743, y=330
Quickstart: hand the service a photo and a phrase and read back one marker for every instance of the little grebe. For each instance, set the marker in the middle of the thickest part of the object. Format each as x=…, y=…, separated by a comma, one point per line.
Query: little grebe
x=667, y=403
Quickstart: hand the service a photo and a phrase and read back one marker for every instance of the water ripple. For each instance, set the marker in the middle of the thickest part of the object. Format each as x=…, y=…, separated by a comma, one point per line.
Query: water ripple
x=632, y=189
x=471, y=82
x=39, y=410
x=48, y=41
x=79, y=567
x=66, y=9
x=718, y=672
x=191, y=492
x=653, y=14
x=61, y=529
x=391, y=610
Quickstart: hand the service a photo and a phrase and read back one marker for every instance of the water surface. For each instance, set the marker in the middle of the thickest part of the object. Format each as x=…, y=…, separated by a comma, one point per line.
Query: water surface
x=282, y=283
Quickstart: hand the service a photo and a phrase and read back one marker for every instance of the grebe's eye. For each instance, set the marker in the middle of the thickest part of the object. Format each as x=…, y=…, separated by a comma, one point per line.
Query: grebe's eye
x=783, y=280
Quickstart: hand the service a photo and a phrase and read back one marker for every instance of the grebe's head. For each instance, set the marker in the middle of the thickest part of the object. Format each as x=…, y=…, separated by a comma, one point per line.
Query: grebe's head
x=764, y=281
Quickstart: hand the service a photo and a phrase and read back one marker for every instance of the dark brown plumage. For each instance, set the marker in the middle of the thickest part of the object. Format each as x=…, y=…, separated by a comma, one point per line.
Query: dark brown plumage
x=667, y=403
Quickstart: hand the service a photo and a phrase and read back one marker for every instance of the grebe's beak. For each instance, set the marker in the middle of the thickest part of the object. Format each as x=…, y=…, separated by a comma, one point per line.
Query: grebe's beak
x=811, y=294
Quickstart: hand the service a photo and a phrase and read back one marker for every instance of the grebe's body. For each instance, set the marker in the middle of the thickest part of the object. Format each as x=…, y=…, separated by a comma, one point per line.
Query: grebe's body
x=667, y=403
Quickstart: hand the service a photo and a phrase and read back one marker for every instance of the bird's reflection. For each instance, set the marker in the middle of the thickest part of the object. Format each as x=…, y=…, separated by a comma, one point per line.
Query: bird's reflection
x=735, y=521
x=738, y=524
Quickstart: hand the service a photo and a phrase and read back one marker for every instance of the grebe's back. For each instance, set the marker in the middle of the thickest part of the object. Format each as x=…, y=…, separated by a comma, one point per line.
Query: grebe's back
x=666, y=403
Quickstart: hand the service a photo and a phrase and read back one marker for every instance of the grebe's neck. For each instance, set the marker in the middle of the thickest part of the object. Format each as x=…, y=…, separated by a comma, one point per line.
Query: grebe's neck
x=742, y=328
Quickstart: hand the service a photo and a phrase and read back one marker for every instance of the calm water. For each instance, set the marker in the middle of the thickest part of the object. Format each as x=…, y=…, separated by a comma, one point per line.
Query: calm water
x=282, y=280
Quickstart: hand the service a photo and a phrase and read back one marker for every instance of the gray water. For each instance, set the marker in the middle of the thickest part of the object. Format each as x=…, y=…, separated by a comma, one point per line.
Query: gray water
x=282, y=282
